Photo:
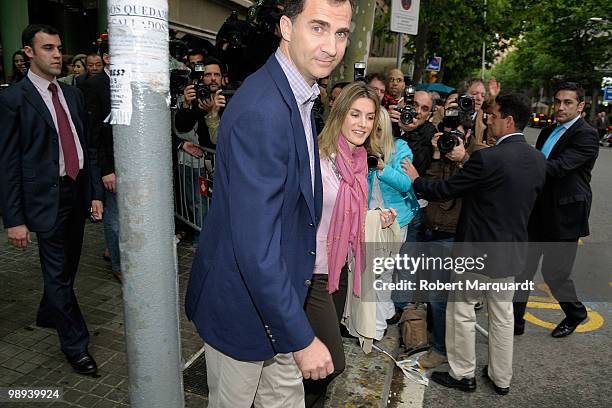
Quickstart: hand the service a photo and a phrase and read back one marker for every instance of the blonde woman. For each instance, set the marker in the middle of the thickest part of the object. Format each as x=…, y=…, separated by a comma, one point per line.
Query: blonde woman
x=388, y=184
x=389, y=187
x=340, y=234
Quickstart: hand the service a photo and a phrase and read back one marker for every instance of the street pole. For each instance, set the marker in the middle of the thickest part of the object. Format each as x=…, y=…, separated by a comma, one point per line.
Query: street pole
x=400, y=48
x=484, y=46
x=141, y=133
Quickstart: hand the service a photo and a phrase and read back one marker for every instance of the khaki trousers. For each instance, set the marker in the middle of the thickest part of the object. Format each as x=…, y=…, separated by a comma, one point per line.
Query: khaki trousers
x=461, y=330
x=239, y=384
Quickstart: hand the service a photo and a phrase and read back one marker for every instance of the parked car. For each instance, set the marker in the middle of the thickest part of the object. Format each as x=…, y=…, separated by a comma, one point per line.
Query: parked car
x=539, y=120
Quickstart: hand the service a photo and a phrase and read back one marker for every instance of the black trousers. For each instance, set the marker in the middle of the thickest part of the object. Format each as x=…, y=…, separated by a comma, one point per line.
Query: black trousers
x=324, y=313
x=557, y=263
x=60, y=251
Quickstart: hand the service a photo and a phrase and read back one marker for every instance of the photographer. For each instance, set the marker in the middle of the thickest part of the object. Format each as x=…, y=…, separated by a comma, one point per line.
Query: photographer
x=417, y=131
x=475, y=88
x=202, y=106
x=451, y=149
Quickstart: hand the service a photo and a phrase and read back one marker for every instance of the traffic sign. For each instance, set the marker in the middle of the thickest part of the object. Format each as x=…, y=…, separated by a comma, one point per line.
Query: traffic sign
x=405, y=16
x=608, y=94
x=434, y=64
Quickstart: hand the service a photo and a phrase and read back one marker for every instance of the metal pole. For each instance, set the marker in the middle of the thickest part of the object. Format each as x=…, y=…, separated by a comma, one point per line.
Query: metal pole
x=141, y=132
x=400, y=48
x=484, y=47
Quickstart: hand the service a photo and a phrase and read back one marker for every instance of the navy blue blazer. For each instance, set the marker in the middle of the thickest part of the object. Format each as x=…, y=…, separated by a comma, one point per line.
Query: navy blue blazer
x=256, y=257
x=562, y=210
x=29, y=157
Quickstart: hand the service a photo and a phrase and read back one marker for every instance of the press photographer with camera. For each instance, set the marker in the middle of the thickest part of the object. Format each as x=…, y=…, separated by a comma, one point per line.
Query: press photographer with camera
x=475, y=88
x=452, y=147
x=202, y=105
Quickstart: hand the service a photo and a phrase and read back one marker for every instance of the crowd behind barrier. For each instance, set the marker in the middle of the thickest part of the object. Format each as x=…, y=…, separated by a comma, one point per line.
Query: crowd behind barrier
x=403, y=162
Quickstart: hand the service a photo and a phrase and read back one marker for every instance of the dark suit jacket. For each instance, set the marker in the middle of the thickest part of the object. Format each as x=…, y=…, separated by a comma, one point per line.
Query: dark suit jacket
x=251, y=273
x=562, y=211
x=499, y=186
x=29, y=157
x=98, y=98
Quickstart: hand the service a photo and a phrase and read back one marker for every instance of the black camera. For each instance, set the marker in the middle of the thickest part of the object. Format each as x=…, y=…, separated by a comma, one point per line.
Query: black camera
x=408, y=112
x=452, y=118
x=466, y=103
x=448, y=140
x=179, y=79
x=202, y=90
x=359, y=71
x=373, y=160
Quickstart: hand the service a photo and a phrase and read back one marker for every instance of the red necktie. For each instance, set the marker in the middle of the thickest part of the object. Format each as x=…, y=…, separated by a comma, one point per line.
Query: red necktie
x=71, y=158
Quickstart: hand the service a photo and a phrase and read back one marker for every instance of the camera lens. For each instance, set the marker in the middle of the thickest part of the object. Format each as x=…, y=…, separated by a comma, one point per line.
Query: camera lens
x=372, y=161
x=466, y=103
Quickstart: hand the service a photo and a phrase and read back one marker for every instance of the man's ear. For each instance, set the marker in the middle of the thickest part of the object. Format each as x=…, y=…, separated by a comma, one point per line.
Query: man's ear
x=511, y=123
x=29, y=51
x=581, y=106
x=286, y=28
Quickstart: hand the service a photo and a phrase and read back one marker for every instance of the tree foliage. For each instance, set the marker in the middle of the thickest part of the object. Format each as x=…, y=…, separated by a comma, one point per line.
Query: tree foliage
x=559, y=42
x=455, y=30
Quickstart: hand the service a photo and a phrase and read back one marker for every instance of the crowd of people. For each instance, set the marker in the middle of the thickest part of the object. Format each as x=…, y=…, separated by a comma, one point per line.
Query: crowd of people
x=306, y=173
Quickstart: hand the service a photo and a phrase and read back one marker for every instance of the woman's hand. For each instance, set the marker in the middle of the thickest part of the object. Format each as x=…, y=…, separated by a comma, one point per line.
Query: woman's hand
x=387, y=217
x=381, y=164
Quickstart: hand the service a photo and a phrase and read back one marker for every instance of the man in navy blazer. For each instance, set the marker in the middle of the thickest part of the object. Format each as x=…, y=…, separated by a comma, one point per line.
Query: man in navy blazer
x=561, y=214
x=499, y=187
x=256, y=257
x=48, y=182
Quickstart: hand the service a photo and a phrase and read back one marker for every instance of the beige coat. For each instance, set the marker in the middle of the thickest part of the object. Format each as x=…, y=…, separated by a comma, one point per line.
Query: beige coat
x=360, y=312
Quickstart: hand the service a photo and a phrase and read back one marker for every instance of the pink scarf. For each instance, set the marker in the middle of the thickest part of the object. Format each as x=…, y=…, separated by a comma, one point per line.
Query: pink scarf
x=347, y=225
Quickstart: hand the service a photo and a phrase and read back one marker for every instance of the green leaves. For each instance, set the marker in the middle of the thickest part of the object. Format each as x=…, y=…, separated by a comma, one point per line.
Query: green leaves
x=559, y=41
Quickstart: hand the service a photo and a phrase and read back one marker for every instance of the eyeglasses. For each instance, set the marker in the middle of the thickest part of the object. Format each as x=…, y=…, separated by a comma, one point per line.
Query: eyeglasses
x=396, y=80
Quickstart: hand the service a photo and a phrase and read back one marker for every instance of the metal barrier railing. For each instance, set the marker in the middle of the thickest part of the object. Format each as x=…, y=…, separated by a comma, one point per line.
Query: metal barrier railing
x=194, y=187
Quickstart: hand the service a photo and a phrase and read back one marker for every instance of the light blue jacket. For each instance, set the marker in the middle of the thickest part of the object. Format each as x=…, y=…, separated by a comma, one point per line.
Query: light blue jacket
x=395, y=185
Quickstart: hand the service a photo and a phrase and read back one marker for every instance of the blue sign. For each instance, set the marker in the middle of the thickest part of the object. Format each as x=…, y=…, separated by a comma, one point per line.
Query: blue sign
x=608, y=94
x=434, y=64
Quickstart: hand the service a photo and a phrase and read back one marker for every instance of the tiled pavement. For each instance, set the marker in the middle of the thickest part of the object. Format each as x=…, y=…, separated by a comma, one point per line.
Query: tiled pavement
x=30, y=356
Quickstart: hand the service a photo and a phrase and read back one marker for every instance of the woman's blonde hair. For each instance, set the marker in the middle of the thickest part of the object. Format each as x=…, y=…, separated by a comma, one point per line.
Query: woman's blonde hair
x=328, y=139
x=385, y=145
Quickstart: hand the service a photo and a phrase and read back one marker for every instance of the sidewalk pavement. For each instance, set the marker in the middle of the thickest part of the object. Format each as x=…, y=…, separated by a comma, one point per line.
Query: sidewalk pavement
x=30, y=356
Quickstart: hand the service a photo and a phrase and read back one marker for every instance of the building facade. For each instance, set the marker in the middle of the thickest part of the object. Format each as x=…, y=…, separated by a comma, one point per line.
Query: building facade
x=80, y=22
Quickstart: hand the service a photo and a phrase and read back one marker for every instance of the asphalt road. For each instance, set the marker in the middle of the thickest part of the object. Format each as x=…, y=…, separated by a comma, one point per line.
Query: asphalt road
x=571, y=372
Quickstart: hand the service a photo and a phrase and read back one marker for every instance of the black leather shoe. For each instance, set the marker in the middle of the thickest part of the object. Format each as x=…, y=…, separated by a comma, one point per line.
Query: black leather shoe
x=519, y=330
x=445, y=379
x=499, y=390
x=565, y=328
x=83, y=364
x=45, y=323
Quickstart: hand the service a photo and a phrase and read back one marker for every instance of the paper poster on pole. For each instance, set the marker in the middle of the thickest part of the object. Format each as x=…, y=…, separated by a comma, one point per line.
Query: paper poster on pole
x=405, y=16
x=140, y=58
